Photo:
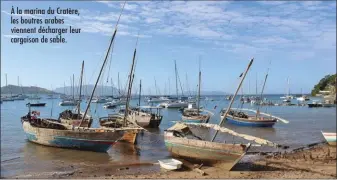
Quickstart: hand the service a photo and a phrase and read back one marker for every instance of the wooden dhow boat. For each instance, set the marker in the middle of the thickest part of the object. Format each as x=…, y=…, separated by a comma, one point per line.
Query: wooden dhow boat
x=75, y=117
x=51, y=132
x=330, y=137
x=94, y=139
x=181, y=141
x=243, y=119
x=127, y=119
x=185, y=141
x=194, y=116
x=238, y=117
x=192, y=141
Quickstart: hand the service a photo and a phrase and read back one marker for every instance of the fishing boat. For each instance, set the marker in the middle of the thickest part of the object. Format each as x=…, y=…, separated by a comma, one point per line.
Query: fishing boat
x=68, y=102
x=190, y=115
x=128, y=119
x=144, y=115
x=50, y=132
x=114, y=103
x=76, y=117
x=191, y=141
x=238, y=117
x=117, y=121
x=72, y=117
x=158, y=99
x=37, y=104
x=183, y=140
x=330, y=138
x=243, y=119
x=99, y=100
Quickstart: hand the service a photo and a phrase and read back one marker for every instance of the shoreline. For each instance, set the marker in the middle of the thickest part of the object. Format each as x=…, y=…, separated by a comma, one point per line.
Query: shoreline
x=316, y=161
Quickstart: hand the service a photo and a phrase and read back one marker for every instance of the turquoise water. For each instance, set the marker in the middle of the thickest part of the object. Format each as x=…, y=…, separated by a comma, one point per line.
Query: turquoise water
x=19, y=156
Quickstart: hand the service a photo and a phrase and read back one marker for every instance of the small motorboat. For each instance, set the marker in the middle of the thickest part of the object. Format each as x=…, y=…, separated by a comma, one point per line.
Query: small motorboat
x=170, y=164
x=36, y=104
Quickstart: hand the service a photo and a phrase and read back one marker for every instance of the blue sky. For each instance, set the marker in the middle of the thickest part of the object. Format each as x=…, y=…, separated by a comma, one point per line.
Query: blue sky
x=299, y=38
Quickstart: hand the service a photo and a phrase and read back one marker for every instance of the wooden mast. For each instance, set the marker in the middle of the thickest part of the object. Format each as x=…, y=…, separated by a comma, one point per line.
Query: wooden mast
x=140, y=91
x=131, y=76
x=73, y=87
x=79, y=99
x=106, y=57
x=175, y=67
x=232, y=100
x=264, y=83
x=199, y=89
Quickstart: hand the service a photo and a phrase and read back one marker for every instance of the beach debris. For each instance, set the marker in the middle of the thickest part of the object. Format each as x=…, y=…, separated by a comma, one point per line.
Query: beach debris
x=194, y=167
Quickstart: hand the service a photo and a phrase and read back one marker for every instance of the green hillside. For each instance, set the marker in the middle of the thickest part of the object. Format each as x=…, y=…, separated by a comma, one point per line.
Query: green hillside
x=24, y=90
x=328, y=83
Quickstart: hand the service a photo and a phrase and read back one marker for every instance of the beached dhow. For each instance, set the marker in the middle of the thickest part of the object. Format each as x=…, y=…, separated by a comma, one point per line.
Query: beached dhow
x=51, y=132
x=330, y=138
x=182, y=140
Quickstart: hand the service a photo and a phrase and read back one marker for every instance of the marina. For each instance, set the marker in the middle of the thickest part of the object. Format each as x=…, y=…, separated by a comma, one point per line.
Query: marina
x=212, y=126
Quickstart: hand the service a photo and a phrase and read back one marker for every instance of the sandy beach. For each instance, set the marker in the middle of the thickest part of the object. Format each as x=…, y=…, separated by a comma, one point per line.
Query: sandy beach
x=316, y=162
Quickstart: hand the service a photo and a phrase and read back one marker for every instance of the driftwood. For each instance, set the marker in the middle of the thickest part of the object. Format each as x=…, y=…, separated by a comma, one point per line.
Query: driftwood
x=191, y=166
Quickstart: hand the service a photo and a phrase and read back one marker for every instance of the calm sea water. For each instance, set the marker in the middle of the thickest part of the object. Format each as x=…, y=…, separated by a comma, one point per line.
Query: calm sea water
x=18, y=156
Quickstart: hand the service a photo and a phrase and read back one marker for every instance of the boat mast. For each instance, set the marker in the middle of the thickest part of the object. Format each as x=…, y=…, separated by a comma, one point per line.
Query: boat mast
x=264, y=83
x=256, y=85
x=10, y=89
x=106, y=57
x=130, y=85
x=73, y=87
x=169, y=87
x=232, y=100
x=79, y=99
x=199, y=88
x=140, y=91
x=119, y=87
x=112, y=88
x=155, y=86
x=175, y=67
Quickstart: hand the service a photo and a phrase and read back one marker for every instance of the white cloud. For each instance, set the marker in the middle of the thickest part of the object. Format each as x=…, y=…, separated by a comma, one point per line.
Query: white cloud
x=152, y=20
x=281, y=25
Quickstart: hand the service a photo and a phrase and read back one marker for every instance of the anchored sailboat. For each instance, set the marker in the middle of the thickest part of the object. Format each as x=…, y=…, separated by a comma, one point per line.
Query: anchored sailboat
x=75, y=117
x=193, y=115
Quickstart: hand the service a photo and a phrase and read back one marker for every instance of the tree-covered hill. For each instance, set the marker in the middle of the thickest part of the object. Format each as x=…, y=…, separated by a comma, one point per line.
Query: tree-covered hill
x=328, y=83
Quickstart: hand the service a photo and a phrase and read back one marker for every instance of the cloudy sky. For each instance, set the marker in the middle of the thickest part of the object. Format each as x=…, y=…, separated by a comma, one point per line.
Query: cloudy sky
x=292, y=39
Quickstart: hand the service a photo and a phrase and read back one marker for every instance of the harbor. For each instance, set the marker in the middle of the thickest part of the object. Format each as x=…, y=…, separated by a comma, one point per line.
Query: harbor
x=141, y=157
x=109, y=122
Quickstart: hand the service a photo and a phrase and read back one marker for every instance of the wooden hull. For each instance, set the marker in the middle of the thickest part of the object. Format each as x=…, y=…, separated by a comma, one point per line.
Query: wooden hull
x=154, y=123
x=77, y=122
x=89, y=140
x=130, y=137
x=251, y=123
x=204, y=151
x=330, y=138
x=195, y=119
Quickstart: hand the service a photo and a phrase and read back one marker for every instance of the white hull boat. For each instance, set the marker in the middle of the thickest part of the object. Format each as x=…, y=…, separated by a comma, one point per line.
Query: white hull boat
x=170, y=164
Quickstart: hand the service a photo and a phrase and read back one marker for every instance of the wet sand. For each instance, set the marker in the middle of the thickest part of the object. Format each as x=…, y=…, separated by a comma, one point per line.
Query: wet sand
x=317, y=162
